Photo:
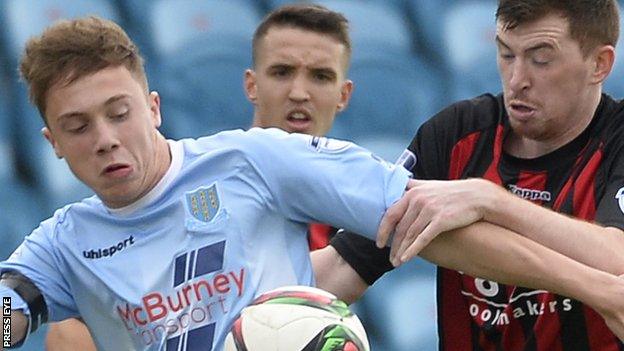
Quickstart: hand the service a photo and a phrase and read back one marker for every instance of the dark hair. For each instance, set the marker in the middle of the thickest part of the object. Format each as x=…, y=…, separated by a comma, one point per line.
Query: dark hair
x=314, y=18
x=69, y=50
x=592, y=22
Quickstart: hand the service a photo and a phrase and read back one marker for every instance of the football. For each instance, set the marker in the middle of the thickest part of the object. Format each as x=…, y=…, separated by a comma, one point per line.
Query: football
x=297, y=318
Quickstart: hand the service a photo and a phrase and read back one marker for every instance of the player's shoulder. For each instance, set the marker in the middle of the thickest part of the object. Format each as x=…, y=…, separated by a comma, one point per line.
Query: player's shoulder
x=234, y=139
x=61, y=225
x=256, y=141
x=479, y=112
x=610, y=115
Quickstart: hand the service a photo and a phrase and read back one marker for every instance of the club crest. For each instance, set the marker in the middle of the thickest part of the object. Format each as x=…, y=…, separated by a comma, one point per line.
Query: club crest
x=203, y=203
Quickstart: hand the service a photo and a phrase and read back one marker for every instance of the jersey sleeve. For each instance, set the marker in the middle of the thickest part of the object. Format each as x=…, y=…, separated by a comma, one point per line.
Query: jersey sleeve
x=37, y=260
x=425, y=157
x=316, y=179
x=610, y=209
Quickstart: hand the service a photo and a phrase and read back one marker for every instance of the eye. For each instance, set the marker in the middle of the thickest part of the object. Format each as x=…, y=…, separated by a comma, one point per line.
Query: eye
x=280, y=72
x=506, y=56
x=120, y=116
x=540, y=62
x=78, y=129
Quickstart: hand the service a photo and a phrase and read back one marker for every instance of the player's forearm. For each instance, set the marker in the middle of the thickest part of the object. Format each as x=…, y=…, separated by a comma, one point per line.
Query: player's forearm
x=585, y=242
x=494, y=253
x=335, y=275
x=19, y=323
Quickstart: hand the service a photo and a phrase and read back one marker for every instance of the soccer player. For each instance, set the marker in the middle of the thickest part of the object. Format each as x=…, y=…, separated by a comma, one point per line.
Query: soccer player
x=549, y=152
x=181, y=235
x=298, y=83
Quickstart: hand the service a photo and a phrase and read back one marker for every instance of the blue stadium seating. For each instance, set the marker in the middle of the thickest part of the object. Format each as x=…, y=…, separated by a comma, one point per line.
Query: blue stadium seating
x=25, y=18
x=6, y=130
x=390, y=101
x=375, y=27
x=20, y=207
x=22, y=19
x=399, y=310
x=469, y=29
x=425, y=17
x=134, y=18
x=614, y=85
x=204, y=54
x=394, y=90
x=273, y=4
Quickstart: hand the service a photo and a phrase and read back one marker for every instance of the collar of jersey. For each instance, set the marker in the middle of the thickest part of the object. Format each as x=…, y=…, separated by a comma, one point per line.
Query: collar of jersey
x=177, y=155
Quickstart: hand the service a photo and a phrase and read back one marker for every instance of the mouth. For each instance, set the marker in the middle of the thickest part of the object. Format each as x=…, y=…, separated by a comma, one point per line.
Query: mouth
x=117, y=170
x=521, y=110
x=298, y=121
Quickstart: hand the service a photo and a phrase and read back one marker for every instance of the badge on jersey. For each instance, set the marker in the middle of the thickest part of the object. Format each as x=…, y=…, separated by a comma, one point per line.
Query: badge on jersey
x=407, y=160
x=203, y=203
x=323, y=144
x=620, y=197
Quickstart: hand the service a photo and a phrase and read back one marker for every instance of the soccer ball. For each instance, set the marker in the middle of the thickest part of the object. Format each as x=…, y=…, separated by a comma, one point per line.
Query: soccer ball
x=297, y=318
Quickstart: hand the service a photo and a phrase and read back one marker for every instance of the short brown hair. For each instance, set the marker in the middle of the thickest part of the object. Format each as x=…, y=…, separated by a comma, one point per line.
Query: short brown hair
x=592, y=22
x=71, y=49
x=314, y=18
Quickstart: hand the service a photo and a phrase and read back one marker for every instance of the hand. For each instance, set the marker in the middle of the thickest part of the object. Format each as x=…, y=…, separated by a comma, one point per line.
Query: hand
x=429, y=208
x=613, y=314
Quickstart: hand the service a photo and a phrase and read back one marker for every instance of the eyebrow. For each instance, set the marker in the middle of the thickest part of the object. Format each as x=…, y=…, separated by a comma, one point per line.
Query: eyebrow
x=109, y=101
x=538, y=46
x=326, y=70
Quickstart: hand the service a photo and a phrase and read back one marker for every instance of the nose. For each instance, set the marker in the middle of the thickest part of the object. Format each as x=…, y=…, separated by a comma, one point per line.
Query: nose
x=106, y=138
x=299, y=89
x=519, y=78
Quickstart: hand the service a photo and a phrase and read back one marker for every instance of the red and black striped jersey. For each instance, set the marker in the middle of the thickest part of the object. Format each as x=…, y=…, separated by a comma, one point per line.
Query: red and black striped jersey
x=584, y=179
x=319, y=235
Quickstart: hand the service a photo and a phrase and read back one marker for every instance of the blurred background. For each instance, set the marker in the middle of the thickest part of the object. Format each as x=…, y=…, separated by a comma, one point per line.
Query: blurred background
x=410, y=59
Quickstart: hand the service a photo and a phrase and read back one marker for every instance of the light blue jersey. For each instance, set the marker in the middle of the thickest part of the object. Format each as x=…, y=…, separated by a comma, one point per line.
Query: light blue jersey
x=226, y=223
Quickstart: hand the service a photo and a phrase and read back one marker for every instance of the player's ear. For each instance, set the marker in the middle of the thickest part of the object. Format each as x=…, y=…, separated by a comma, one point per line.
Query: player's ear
x=251, y=88
x=154, y=106
x=603, y=60
x=50, y=138
x=345, y=94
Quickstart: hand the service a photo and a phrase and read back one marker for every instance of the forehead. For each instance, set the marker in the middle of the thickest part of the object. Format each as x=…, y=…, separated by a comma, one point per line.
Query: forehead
x=552, y=29
x=91, y=91
x=293, y=45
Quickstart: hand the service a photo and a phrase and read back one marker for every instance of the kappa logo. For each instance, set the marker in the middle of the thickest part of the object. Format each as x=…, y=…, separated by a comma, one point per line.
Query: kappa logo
x=203, y=203
x=620, y=197
x=530, y=194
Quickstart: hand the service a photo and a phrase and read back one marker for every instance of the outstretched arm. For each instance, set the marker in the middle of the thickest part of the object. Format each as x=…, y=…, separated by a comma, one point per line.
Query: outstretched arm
x=433, y=207
x=488, y=251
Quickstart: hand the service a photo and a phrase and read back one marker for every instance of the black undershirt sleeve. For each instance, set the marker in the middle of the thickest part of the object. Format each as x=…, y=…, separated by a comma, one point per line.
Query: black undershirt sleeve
x=362, y=255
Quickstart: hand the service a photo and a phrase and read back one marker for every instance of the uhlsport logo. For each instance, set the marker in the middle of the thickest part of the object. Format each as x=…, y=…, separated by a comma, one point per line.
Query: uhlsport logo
x=109, y=251
x=186, y=315
x=620, y=197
